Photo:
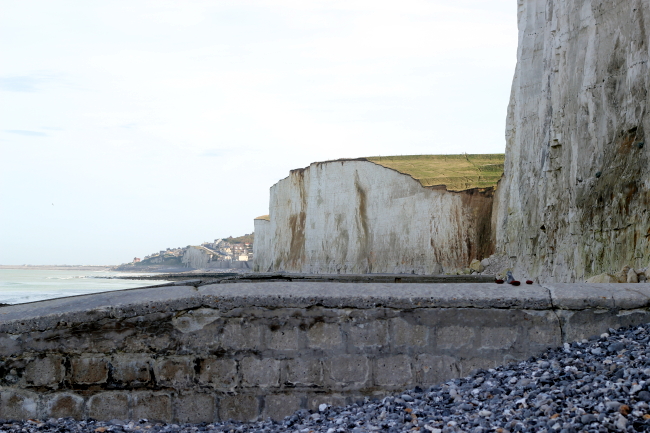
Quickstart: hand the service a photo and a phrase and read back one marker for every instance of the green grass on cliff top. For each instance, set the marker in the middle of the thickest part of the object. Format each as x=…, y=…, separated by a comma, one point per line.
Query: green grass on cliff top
x=456, y=172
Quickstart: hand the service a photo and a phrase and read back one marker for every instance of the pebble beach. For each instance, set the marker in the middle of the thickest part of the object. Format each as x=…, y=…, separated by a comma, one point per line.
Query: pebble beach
x=596, y=385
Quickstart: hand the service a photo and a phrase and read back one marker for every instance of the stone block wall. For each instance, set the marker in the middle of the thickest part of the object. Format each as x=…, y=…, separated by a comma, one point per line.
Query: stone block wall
x=257, y=350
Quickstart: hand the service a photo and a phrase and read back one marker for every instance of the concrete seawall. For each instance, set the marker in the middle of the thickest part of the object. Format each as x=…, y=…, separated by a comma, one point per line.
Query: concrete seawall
x=245, y=351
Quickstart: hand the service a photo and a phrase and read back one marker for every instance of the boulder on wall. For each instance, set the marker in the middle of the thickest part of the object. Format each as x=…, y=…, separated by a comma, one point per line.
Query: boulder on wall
x=575, y=198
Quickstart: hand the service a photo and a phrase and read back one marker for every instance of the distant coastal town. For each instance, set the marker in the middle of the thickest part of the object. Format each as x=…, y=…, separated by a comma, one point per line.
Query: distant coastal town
x=226, y=253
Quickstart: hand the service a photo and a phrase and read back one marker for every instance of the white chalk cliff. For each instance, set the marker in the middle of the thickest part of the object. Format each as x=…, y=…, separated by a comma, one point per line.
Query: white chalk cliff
x=356, y=216
x=575, y=198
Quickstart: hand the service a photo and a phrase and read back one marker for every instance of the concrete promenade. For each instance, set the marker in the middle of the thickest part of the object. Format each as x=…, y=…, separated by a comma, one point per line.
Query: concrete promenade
x=264, y=349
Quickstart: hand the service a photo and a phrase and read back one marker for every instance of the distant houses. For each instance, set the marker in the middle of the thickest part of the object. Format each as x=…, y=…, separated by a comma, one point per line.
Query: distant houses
x=222, y=253
x=223, y=250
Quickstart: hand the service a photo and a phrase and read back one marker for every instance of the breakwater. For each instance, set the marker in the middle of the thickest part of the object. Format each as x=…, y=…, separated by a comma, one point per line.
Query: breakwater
x=257, y=350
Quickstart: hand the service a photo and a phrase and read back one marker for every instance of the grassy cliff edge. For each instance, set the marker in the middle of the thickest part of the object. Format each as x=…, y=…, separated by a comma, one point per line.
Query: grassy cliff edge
x=456, y=172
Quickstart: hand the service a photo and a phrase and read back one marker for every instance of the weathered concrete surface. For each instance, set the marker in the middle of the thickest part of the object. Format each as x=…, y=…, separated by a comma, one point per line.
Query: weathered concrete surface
x=205, y=278
x=355, y=216
x=245, y=351
x=357, y=278
x=575, y=197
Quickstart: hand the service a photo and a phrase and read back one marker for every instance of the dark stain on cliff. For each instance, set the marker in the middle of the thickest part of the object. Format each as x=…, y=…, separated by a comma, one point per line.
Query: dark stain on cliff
x=613, y=206
x=364, y=234
x=297, y=223
x=297, y=246
x=479, y=238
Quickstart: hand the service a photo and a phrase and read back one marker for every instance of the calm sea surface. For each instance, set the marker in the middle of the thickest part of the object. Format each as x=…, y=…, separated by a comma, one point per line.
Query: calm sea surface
x=18, y=286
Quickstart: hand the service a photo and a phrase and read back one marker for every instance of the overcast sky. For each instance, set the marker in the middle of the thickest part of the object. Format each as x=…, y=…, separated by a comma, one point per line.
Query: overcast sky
x=127, y=127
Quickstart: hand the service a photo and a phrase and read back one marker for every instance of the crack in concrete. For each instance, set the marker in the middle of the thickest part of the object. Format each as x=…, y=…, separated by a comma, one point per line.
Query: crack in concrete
x=554, y=309
x=639, y=293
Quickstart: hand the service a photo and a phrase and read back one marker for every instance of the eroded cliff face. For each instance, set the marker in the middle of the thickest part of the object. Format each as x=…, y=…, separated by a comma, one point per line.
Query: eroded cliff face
x=576, y=189
x=355, y=216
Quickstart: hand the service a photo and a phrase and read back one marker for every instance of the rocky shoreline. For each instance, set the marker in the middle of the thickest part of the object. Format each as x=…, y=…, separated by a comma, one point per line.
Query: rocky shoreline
x=595, y=385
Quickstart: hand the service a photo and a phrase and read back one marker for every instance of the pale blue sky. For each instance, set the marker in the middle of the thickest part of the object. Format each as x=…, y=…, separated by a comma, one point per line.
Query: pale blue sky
x=131, y=126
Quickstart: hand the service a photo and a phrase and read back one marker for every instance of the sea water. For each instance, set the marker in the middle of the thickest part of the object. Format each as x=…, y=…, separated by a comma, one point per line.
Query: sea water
x=18, y=286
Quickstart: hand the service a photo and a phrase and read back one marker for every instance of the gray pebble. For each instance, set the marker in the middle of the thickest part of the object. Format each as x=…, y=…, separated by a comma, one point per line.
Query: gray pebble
x=644, y=396
x=588, y=419
x=616, y=347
